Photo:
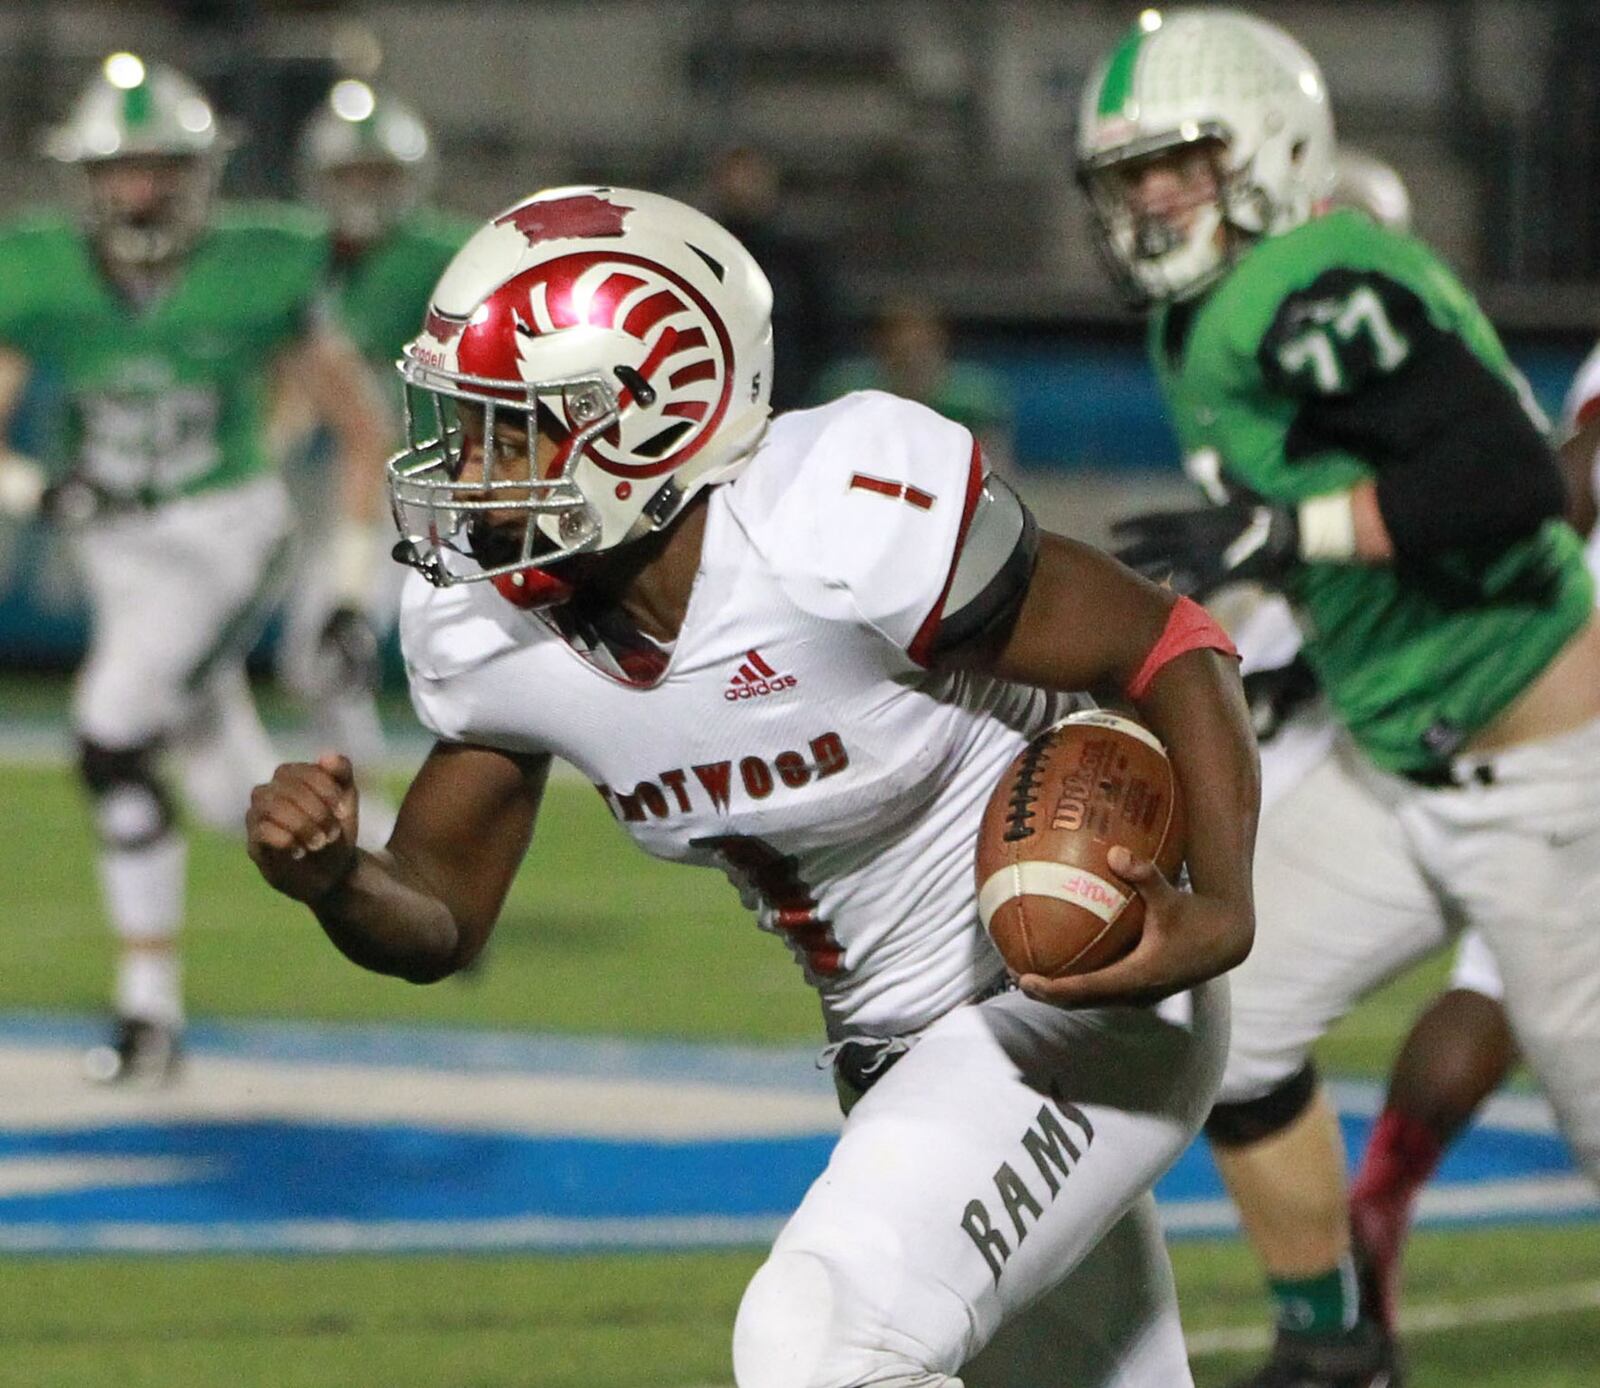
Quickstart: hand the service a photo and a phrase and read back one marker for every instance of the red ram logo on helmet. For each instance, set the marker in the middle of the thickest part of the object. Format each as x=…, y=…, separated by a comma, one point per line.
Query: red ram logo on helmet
x=684, y=375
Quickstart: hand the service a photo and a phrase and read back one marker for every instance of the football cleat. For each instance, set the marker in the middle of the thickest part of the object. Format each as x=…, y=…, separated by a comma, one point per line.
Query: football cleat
x=1363, y=1357
x=139, y=1052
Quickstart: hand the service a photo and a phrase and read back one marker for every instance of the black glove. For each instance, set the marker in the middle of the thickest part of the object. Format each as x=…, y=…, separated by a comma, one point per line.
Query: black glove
x=1200, y=550
x=1276, y=695
x=347, y=653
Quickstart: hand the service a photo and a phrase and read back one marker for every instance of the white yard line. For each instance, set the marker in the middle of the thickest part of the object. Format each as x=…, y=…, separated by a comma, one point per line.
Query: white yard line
x=41, y=1089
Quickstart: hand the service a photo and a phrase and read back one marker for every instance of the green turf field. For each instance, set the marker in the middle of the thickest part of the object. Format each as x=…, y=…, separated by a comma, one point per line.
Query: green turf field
x=581, y=951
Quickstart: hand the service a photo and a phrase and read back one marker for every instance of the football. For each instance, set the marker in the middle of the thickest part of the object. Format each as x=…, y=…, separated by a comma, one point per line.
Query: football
x=1046, y=895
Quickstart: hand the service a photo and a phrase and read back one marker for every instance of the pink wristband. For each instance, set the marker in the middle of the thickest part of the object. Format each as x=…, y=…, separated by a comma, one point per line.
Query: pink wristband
x=1189, y=628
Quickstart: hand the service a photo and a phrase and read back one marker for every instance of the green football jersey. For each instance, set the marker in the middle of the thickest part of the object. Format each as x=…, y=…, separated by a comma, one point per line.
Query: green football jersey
x=382, y=296
x=1325, y=356
x=163, y=399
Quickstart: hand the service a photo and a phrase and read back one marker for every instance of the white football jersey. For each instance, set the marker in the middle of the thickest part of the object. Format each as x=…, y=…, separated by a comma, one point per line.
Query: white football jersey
x=795, y=736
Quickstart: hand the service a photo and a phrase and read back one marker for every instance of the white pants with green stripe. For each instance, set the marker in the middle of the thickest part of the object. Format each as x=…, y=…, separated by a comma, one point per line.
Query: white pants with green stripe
x=177, y=594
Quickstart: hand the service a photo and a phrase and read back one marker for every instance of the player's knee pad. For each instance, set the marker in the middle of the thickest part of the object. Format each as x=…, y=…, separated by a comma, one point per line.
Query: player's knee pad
x=1250, y=1121
x=132, y=808
x=794, y=1331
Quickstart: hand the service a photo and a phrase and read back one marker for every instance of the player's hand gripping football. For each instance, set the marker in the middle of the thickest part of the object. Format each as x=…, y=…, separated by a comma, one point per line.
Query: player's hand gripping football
x=1199, y=550
x=1187, y=938
x=301, y=826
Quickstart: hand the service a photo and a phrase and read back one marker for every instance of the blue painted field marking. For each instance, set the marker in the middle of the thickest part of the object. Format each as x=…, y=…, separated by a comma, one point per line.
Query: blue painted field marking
x=309, y=1138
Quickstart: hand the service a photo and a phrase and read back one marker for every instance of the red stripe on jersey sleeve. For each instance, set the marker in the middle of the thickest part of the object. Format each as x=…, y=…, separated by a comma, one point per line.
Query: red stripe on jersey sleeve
x=921, y=647
x=1590, y=409
x=860, y=481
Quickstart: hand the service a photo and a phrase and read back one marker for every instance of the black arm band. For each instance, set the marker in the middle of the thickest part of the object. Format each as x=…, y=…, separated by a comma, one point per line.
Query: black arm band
x=993, y=571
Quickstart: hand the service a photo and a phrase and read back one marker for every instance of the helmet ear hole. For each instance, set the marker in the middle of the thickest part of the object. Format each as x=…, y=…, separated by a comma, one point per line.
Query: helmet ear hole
x=657, y=444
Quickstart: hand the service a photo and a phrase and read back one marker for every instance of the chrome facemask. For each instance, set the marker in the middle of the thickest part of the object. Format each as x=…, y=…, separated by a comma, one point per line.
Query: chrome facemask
x=156, y=234
x=441, y=501
x=1149, y=258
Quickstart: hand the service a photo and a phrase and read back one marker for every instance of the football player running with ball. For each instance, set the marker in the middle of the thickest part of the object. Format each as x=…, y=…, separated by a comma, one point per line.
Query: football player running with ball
x=159, y=314
x=802, y=649
x=1369, y=449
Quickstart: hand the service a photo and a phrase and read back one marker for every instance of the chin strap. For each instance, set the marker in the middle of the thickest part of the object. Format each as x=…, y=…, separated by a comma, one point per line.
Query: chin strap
x=531, y=588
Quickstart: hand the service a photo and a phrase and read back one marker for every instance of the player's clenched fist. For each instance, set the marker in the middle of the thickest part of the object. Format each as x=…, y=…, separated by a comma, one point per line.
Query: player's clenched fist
x=301, y=826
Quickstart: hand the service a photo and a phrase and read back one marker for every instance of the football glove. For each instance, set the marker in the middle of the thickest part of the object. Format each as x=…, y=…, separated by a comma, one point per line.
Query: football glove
x=347, y=654
x=1276, y=695
x=1198, y=551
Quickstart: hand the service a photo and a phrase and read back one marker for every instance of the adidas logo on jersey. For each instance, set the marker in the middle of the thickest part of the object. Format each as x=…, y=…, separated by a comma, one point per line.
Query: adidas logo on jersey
x=755, y=678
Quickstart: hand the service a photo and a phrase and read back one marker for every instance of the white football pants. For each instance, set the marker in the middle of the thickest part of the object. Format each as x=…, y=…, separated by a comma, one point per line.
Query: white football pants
x=176, y=595
x=1360, y=873
x=1012, y=1147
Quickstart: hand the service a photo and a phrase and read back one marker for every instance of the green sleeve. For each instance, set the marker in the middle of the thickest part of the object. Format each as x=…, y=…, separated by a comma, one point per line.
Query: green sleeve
x=42, y=266
x=276, y=257
x=381, y=301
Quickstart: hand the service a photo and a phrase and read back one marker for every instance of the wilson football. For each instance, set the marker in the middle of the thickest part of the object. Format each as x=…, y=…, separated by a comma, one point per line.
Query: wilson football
x=1046, y=895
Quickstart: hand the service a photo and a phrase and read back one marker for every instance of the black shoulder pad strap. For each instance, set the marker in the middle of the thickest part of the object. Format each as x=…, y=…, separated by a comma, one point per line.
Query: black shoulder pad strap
x=994, y=566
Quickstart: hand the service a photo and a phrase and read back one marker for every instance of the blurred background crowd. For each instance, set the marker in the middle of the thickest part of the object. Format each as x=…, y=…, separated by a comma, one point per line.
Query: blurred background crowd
x=900, y=167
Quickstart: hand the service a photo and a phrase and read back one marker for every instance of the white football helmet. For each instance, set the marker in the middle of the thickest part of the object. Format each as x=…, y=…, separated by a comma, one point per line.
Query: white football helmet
x=1218, y=78
x=639, y=329
x=366, y=158
x=131, y=111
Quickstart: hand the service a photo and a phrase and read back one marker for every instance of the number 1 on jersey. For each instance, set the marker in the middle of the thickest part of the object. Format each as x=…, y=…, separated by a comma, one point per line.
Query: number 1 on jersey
x=900, y=491
x=775, y=878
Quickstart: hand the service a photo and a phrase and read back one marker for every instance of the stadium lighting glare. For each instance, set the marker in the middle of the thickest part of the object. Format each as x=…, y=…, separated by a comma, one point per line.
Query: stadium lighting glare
x=410, y=144
x=124, y=70
x=194, y=115
x=1150, y=20
x=352, y=100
